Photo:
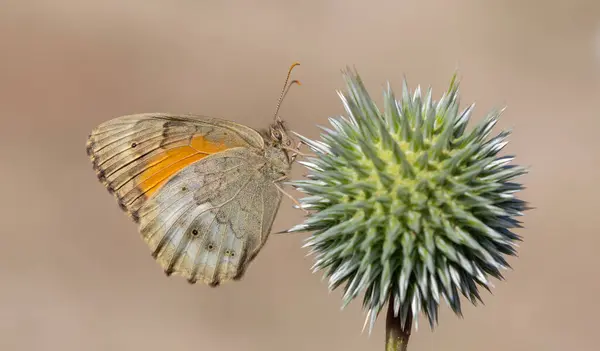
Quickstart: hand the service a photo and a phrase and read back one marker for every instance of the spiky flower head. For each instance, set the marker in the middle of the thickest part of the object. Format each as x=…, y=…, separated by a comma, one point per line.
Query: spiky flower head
x=407, y=203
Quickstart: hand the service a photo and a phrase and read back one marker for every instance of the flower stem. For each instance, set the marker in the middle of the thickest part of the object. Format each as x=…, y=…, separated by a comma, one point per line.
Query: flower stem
x=396, y=334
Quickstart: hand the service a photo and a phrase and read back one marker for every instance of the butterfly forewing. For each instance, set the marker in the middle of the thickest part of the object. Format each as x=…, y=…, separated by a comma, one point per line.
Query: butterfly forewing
x=135, y=155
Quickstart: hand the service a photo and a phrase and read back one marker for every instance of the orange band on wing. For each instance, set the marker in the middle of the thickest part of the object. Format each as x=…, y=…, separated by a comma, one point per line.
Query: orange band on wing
x=172, y=161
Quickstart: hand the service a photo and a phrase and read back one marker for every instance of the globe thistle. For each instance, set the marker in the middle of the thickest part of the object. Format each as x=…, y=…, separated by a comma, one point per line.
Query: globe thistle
x=407, y=205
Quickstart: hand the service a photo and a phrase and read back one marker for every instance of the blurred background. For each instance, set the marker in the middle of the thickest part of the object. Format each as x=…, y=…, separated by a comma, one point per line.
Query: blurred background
x=75, y=274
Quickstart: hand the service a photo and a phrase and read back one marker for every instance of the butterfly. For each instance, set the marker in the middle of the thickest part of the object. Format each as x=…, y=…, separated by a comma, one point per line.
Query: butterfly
x=203, y=191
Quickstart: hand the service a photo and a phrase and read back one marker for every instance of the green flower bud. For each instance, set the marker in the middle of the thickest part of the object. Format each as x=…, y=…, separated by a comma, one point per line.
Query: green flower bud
x=407, y=204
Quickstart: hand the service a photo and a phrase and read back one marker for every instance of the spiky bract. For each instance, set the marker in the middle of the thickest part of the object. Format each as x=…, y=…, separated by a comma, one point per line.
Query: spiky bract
x=408, y=202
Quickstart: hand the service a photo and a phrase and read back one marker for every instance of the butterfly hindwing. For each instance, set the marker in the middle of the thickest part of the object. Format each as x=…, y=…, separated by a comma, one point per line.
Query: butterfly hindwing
x=135, y=155
x=210, y=220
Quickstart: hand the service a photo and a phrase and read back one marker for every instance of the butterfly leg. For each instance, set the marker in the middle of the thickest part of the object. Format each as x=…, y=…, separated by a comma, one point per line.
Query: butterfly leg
x=296, y=149
x=290, y=197
x=297, y=152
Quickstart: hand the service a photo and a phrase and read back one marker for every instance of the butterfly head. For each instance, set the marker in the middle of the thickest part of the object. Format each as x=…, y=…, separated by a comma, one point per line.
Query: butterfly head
x=279, y=135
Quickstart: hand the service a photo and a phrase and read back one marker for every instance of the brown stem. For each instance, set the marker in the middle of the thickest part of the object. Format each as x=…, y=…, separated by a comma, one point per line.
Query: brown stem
x=396, y=335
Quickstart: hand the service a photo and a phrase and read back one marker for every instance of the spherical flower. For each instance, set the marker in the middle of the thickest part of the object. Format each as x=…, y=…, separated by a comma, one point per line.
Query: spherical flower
x=407, y=205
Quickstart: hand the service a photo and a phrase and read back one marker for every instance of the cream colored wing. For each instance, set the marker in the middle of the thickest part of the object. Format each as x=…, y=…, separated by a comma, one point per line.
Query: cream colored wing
x=212, y=218
x=135, y=155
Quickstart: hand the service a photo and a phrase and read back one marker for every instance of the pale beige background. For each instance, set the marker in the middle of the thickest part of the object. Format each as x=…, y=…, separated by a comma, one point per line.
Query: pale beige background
x=76, y=276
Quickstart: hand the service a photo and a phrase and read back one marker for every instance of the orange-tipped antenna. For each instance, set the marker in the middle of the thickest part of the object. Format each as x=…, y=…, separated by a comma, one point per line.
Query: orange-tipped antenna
x=295, y=81
x=286, y=88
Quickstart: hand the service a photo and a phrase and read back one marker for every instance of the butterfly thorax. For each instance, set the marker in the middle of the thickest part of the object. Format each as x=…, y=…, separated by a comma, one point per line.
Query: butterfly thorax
x=278, y=166
x=279, y=161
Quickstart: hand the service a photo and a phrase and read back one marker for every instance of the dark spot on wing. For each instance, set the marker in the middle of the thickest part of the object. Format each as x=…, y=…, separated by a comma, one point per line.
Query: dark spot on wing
x=135, y=216
x=90, y=146
x=242, y=266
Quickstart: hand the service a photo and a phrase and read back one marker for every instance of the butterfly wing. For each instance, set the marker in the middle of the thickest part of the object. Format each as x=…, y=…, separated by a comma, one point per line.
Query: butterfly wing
x=135, y=155
x=210, y=220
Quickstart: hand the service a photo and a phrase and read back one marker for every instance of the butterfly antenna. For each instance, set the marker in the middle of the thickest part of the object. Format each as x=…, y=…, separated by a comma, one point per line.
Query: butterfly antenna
x=286, y=88
x=295, y=81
